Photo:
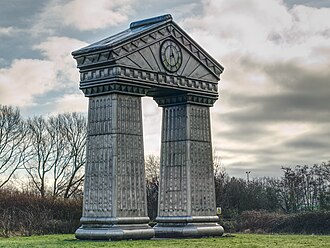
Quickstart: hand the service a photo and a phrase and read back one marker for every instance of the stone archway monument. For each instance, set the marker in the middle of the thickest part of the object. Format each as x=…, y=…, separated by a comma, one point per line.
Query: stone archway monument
x=155, y=58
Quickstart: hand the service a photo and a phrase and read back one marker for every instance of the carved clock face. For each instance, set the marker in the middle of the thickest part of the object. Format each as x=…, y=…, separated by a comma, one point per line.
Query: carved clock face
x=171, y=56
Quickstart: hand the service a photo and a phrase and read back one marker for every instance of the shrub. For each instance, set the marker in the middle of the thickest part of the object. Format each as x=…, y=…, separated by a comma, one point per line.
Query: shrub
x=27, y=214
x=317, y=222
x=260, y=221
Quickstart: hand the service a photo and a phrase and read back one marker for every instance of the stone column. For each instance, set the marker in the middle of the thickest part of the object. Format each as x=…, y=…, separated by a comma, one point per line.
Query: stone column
x=186, y=205
x=115, y=205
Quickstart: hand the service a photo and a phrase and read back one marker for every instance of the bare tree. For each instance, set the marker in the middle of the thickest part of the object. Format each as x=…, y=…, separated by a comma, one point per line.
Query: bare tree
x=220, y=179
x=219, y=169
x=58, y=148
x=323, y=184
x=152, y=165
x=304, y=188
x=42, y=149
x=74, y=130
x=60, y=154
x=13, y=143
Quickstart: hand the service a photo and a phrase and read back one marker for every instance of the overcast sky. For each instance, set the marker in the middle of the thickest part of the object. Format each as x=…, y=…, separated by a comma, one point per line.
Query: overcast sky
x=274, y=106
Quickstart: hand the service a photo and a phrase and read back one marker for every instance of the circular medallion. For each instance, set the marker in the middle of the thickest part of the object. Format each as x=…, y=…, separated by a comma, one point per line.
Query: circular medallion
x=171, y=56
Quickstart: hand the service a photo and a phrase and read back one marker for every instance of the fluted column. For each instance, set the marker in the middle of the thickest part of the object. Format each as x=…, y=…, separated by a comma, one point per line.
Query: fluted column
x=186, y=206
x=115, y=205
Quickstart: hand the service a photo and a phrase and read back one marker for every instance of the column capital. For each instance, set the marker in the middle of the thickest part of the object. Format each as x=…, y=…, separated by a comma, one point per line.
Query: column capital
x=114, y=87
x=173, y=100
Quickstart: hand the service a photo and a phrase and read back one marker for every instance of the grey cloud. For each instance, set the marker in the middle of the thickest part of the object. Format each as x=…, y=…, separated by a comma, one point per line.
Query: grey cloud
x=19, y=46
x=269, y=169
x=20, y=16
x=317, y=140
x=244, y=132
x=148, y=8
x=269, y=159
x=303, y=96
x=19, y=13
x=279, y=108
x=296, y=77
x=270, y=156
x=310, y=3
x=307, y=144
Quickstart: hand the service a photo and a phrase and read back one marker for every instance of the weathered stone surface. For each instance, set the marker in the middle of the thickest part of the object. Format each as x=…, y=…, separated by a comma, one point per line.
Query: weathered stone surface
x=114, y=190
x=186, y=205
x=156, y=58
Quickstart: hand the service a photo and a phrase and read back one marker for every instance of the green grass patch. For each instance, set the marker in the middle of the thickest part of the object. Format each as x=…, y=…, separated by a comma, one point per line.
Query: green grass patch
x=236, y=240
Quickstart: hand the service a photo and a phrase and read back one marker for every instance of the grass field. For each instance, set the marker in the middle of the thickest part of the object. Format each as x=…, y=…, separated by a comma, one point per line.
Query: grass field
x=236, y=240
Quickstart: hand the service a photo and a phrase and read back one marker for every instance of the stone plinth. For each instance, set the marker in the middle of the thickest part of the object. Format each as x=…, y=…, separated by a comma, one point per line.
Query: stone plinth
x=186, y=206
x=115, y=204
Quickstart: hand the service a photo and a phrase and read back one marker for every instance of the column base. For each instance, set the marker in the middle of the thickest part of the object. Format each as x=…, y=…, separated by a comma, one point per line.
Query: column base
x=115, y=231
x=191, y=227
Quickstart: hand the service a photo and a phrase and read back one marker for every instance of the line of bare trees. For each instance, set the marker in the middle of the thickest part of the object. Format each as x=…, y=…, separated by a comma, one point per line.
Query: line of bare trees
x=304, y=188
x=299, y=189
x=50, y=152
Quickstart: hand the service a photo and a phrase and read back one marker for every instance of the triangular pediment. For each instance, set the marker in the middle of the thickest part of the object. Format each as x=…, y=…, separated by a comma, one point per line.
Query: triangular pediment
x=143, y=46
x=151, y=58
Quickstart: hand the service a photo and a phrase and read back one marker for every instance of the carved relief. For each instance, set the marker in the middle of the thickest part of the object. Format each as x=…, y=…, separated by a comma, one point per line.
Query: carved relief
x=186, y=146
x=202, y=185
x=130, y=164
x=173, y=188
x=98, y=176
x=115, y=127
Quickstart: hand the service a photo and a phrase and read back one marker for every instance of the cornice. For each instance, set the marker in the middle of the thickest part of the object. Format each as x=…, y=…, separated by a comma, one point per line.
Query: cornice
x=107, y=74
